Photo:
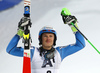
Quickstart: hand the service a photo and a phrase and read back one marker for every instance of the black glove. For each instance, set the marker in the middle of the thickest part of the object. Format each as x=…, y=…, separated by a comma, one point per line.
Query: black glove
x=23, y=22
x=68, y=19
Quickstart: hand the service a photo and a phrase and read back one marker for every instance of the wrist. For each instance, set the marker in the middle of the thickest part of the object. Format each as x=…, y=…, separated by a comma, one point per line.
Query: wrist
x=20, y=32
x=73, y=28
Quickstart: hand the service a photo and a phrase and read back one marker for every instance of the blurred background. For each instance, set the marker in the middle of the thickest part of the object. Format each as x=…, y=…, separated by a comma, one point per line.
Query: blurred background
x=47, y=12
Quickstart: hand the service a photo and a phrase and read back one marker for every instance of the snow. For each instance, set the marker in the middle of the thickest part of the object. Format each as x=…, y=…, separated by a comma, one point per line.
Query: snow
x=47, y=12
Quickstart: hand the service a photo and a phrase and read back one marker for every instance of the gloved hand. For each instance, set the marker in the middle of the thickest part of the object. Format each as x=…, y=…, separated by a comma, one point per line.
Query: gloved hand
x=23, y=22
x=68, y=19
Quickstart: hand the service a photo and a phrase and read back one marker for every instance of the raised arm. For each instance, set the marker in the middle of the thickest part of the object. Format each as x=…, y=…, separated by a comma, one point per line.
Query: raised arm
x=12, y=47
x=80, y=42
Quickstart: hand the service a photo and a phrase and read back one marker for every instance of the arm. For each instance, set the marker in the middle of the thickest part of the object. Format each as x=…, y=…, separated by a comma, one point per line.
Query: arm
x=17, y=51
x=70, y=49
x=80, y=43
x=12, y=47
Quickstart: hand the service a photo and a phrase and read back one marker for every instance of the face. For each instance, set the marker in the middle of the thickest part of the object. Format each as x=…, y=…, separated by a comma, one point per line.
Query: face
x=47, y=40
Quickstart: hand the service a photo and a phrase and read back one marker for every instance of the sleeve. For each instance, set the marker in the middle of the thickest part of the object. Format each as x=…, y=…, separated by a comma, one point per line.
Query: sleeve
x=70, y=49
x=12, y=47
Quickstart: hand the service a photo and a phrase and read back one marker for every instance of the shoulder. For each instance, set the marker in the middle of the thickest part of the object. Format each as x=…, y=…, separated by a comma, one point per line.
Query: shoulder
x=62, y=47
x=33, y=48
x=34, y=51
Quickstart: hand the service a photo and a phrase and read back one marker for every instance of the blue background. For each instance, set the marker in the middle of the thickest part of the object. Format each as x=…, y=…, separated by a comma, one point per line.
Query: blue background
x=5, y=4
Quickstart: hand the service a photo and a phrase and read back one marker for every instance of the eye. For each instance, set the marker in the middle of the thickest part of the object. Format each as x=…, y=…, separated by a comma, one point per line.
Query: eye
x=51, y=36
x=45, y=36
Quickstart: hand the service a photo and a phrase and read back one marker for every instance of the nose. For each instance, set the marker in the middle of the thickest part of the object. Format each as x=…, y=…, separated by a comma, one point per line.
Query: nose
x=48, y=37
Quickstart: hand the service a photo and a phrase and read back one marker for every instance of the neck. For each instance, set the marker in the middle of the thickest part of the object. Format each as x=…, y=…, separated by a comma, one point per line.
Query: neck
x=42, y=50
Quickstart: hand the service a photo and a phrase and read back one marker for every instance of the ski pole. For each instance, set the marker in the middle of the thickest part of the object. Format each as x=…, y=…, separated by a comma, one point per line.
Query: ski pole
x=65, y=11
x=86, y=38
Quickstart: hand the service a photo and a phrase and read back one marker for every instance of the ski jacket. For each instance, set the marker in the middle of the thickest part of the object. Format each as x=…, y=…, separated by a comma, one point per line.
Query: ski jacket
x=37, y=61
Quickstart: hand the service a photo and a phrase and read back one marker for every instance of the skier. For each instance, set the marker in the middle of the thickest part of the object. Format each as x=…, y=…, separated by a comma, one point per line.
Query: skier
x=47, y=58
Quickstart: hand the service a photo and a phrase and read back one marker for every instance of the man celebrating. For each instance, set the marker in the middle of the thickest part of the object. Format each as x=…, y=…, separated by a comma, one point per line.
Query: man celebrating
x=46, y=58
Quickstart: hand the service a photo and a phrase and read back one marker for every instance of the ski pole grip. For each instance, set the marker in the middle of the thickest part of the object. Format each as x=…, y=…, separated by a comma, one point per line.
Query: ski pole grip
x=65, y=12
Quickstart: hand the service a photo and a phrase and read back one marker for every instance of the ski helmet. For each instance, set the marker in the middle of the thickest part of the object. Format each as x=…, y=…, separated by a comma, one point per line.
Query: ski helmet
x=47, y=29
